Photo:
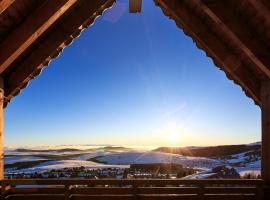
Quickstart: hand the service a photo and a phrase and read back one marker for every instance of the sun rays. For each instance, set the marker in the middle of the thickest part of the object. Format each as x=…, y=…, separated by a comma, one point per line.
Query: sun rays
x=173, y=138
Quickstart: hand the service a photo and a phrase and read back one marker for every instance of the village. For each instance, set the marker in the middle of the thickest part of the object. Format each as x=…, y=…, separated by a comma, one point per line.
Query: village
x=185, y=85
x=156, y=171
x=136, y=171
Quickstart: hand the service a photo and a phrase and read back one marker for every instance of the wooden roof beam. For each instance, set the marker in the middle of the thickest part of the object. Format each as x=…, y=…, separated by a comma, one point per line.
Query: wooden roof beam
x=78, y=19
x=206, y=39
x=241, y=26
x=256, y=15
x=4, y=4
x=261, y=11
x=225, y=33
x=19, y=40
x=135, y=6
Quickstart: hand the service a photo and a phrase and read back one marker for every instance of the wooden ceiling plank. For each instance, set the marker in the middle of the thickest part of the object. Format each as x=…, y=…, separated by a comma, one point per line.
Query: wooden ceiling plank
x=20, y=39
x=205, y=39
x=237, y=23
x=4, y=4
x=87, y=13
x=256, y=14
x=261, y=11
x=224, y=32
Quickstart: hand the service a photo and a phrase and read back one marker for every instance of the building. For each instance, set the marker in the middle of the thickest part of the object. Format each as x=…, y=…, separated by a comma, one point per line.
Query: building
x=234, y=33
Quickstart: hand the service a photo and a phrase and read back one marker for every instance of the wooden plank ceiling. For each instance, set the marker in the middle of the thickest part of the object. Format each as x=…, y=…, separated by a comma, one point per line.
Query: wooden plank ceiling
x=235, y=34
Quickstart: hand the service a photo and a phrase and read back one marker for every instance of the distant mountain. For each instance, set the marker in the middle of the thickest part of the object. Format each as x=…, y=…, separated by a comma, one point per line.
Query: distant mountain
x=47, y=150
x=211, y=151
x=245, y=159
x=115, y=148
x=255, y=143
x=65, y=150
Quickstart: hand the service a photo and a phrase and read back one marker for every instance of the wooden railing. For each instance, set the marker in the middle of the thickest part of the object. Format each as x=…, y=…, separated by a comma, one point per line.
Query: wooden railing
x=154, y=189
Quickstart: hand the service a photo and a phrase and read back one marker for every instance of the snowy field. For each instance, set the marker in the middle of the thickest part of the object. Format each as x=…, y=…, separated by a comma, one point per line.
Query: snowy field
x=15, y=159
x=46, y=166
x=157, y=157
x=58, y=157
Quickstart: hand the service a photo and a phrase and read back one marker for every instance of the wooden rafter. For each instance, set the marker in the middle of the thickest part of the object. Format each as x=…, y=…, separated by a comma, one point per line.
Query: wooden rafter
x=265, y=95
x=225, y=33
x=206, y=39
x=4, y=4
x=21, y=38
x=208, y=29
x=77, y=20
x=256, y=16
x=260, y=11
x=135, y=6
x=245, y=28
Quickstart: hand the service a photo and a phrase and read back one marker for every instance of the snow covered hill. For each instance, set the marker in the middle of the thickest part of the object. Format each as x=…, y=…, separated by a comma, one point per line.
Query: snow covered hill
x=246, y=159
x=157, y=157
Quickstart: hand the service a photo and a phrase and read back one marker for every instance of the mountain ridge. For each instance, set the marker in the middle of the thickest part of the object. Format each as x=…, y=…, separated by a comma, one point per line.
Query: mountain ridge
x=211, y=151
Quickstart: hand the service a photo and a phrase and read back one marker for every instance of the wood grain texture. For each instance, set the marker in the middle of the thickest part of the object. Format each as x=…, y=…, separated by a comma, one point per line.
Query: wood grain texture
x=22, y=37
x=4, y=4
x=147, y=189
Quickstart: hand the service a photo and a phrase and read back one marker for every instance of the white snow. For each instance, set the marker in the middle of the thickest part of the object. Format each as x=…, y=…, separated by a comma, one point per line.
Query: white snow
x=237, y=158
x=254, y=144
x=15, y=159
x=124, y=158
x=87, y=156
x=64, y=164
x=252, y=167
x=158, y=157
x=200, y=175
x=254, y=172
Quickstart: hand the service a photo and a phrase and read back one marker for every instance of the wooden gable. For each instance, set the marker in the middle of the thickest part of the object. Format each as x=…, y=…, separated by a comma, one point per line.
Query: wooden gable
x=33, y=32
x=234, y=33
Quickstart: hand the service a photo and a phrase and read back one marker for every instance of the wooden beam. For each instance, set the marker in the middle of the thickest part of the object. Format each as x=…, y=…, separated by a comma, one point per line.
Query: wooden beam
x=225, y=33
x=4, y=4
x=1, y=128
x=265, y=112
x=244, y=28
x=136, y=182
x=20, y=39
x=261, y=12
x=78, y=19
x=265, y=96
x=223, y=57
x=135, y=6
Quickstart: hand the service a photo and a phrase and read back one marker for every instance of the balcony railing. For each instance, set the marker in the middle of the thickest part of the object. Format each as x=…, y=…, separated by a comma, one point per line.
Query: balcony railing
x=154, y=189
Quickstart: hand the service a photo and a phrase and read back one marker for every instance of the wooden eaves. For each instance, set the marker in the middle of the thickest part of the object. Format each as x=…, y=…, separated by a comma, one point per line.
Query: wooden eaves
x=235, y=34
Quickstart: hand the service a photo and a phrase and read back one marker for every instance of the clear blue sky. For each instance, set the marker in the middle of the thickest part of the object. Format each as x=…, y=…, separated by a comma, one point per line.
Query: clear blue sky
x=132, y=79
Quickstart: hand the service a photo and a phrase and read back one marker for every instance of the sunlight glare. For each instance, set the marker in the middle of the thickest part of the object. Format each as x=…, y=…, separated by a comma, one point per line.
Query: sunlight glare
x=173, y=137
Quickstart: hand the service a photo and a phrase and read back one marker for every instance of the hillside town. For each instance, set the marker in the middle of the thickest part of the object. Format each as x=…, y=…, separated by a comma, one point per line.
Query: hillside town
x=137, y=171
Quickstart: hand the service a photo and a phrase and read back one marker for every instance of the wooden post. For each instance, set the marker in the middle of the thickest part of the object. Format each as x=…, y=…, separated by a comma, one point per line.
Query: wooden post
x=265, y=99
x=1, y=128
x=135, y=6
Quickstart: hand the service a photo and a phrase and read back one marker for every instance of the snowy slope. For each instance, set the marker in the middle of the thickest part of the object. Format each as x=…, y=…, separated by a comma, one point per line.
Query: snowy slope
x=15, y=159
x=242, y=162
x=157, y=157
x=64, y=164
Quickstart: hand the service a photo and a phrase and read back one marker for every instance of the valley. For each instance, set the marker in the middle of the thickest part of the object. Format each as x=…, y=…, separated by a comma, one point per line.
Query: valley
x=119, y=162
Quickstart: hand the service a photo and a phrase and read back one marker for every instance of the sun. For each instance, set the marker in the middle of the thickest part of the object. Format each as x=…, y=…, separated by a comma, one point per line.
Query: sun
x=173, y=137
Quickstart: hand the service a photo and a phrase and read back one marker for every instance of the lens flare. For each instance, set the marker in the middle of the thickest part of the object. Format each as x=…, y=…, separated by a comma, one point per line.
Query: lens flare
x=173, y=137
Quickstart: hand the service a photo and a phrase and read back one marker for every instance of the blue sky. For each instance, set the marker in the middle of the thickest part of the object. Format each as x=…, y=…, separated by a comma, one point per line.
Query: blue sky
x=132, y=79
